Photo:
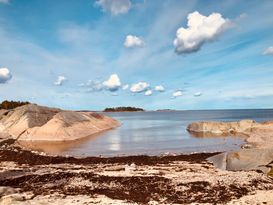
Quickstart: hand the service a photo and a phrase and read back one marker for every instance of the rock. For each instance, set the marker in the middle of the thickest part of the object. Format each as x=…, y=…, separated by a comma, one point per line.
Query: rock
x=221, y=127
x=219, y=161
x=258, y=152
x=258, y=135
x=248, y=159
x=37, y=123
x=247, y=146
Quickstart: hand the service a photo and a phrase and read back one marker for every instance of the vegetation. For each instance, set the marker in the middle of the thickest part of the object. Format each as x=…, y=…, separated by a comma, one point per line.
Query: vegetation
x=123, y=109
x=11, y=104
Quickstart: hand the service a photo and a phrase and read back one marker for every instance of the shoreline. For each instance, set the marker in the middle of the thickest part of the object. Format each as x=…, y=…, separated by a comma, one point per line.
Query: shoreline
x=32, y=177
x=62, y=148
x=38, y=178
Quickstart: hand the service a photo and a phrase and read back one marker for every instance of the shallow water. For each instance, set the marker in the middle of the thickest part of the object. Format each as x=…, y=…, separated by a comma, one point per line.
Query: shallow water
x=156, y=133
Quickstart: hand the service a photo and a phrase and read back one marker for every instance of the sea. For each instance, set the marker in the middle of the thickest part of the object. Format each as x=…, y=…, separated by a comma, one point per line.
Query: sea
x=157, y=133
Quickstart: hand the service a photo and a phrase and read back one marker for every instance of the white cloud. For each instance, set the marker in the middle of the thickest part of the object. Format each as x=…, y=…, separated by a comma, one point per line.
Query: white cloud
x=125, y=87
x=133, y=41
x=60, y=80
x=148, y=92
x=197, y=94
x=93, y=85
x=4, y=1
x=201, y=29
x=115, y=7
x=159, y=88
x=113, y=83
x=139, y=87
x=177, y=93
x=5, y=75
x=268, y=51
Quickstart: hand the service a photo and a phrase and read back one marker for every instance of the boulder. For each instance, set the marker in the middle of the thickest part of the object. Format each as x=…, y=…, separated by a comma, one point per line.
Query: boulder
x=249, y=159
x=221, y=127
x=246, y=159
x=38, y=123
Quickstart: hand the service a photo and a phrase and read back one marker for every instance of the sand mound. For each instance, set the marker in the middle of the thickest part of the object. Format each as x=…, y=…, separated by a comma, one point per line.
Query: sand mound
x=33, y=122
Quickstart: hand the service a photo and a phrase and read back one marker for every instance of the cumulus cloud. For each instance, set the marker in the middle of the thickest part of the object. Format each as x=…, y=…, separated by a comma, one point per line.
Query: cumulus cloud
x=177, y=93
x=115, y=7
x=5, y=75
x=201, y=29
x=148, y=92
x=113, y=83
x=268, y=51
x=4, y=1
x=125, y=87
x=159, y=88
x=60, y=80
x=197, y=94
x=133, y=41
x=139, y=87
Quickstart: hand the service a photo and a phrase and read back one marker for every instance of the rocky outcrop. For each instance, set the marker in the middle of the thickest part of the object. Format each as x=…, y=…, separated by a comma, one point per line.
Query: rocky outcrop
x=38, y=123
x=222, y=127
x=259, y=140
x=258, y=134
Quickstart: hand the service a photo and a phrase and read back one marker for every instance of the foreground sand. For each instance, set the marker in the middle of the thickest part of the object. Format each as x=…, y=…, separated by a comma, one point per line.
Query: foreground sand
x=31, y=178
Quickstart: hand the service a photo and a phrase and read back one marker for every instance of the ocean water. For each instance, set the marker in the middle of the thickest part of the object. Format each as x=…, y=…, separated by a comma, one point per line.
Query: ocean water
x=155, y=133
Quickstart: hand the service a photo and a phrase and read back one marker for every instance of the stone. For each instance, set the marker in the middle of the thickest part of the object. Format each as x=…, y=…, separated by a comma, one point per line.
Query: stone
x=38, y=123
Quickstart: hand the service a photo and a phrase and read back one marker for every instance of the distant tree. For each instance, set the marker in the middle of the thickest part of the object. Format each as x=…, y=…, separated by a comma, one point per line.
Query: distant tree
x=123, y=109
x=12, y=104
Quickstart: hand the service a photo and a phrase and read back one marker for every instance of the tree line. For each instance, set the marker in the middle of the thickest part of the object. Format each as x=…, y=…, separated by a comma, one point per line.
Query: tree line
x=8, y=105
x=123, y=109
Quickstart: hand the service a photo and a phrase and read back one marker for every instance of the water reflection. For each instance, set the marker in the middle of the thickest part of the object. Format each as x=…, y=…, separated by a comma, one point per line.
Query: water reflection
x=114, y=142
x=55, y=148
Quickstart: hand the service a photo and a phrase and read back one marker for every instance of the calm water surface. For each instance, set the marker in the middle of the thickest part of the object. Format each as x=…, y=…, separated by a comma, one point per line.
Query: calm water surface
x=155, y=133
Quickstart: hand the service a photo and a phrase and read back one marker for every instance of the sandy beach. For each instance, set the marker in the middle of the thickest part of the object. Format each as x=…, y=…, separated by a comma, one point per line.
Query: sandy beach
x=33, y=178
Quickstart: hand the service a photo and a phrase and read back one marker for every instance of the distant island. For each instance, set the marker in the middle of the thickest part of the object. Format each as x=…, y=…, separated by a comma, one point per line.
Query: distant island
x=164, y=110
x=123, y=109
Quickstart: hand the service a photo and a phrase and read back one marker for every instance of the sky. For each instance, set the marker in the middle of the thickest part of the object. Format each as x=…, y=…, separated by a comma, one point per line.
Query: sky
x=171, y=54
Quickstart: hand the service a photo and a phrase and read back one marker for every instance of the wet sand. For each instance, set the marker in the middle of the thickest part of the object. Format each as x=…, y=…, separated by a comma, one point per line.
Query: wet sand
x=35, y=178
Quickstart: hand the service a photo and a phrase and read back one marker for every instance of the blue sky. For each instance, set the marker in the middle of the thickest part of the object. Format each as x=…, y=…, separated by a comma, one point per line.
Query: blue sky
x=177, y=54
